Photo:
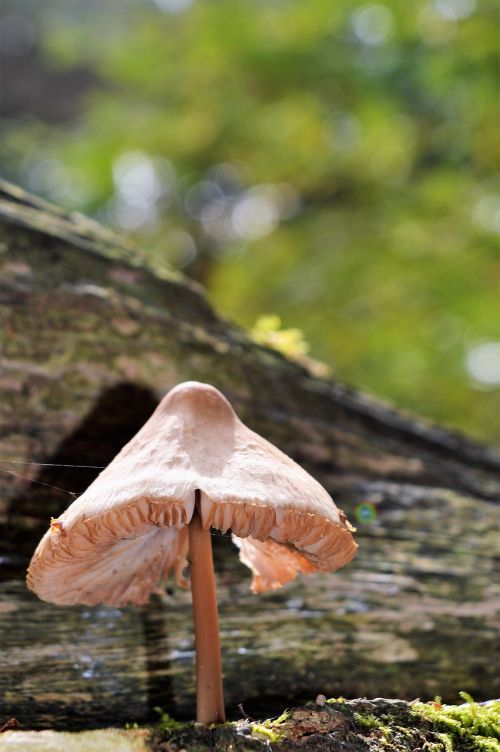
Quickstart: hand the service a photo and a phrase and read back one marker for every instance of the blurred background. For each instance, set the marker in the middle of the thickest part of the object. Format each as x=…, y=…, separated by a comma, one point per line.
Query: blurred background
x=328, y=170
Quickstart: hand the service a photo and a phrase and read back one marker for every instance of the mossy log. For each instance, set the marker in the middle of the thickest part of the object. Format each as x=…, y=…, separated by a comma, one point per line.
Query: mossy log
x=324, y=726
x=91, y=338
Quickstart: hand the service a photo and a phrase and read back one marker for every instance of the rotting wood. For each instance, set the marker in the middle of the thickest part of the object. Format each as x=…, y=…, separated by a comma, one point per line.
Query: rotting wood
x=91, y=339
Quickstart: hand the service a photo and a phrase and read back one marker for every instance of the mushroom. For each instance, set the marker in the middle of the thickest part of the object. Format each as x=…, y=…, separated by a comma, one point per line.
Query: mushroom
x=193, y=466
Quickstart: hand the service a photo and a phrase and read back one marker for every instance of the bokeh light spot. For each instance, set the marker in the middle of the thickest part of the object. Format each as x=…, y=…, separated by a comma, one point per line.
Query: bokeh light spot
x=173, y=6
x=142, y=185
x=483, y=363
x=255, y=216
x=372, y=24
x=205, y=201
x=486, y=213
x=455, y=10
x=365, y=512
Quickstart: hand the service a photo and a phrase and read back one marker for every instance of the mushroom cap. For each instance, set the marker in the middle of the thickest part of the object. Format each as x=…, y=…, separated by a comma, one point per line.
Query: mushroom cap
x=128, y=530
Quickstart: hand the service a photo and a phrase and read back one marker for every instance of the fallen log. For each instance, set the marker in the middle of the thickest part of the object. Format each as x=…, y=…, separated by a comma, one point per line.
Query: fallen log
x=323, y=726
x=91, y=338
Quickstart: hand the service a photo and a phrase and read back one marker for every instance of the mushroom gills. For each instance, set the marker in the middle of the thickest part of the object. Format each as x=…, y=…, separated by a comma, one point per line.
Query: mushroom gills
x=272, y=564
x=136, y=565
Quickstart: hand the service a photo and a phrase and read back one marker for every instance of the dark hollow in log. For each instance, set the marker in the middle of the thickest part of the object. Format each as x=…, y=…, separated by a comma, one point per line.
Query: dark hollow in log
x=91, y=338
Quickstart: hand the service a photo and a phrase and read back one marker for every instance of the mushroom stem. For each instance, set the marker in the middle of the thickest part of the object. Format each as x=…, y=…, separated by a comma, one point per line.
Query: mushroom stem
x=209, y=695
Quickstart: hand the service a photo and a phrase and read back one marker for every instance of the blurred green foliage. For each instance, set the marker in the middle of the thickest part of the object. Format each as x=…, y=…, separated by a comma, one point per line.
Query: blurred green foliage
x=329, y=163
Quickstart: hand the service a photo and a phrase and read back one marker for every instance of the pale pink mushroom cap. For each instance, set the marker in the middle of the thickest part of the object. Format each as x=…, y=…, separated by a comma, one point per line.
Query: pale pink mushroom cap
x=117, y=541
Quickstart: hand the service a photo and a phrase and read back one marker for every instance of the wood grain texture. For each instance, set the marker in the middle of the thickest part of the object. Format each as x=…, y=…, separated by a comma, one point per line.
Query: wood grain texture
x=91, y=338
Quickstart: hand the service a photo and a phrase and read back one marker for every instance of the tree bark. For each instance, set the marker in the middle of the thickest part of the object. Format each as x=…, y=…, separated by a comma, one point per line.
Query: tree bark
x=92, y=337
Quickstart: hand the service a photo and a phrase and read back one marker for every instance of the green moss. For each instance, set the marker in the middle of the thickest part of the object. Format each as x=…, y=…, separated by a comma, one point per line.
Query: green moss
x=369, y=722
x=166, y=721
x=470, y=727
x=267, y=331
x=270, y=728
x=280, y=719
x=260, y=729
x=447, y=741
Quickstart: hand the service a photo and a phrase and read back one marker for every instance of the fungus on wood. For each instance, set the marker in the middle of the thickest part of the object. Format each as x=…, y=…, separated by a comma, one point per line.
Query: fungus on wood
x=193, y=465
